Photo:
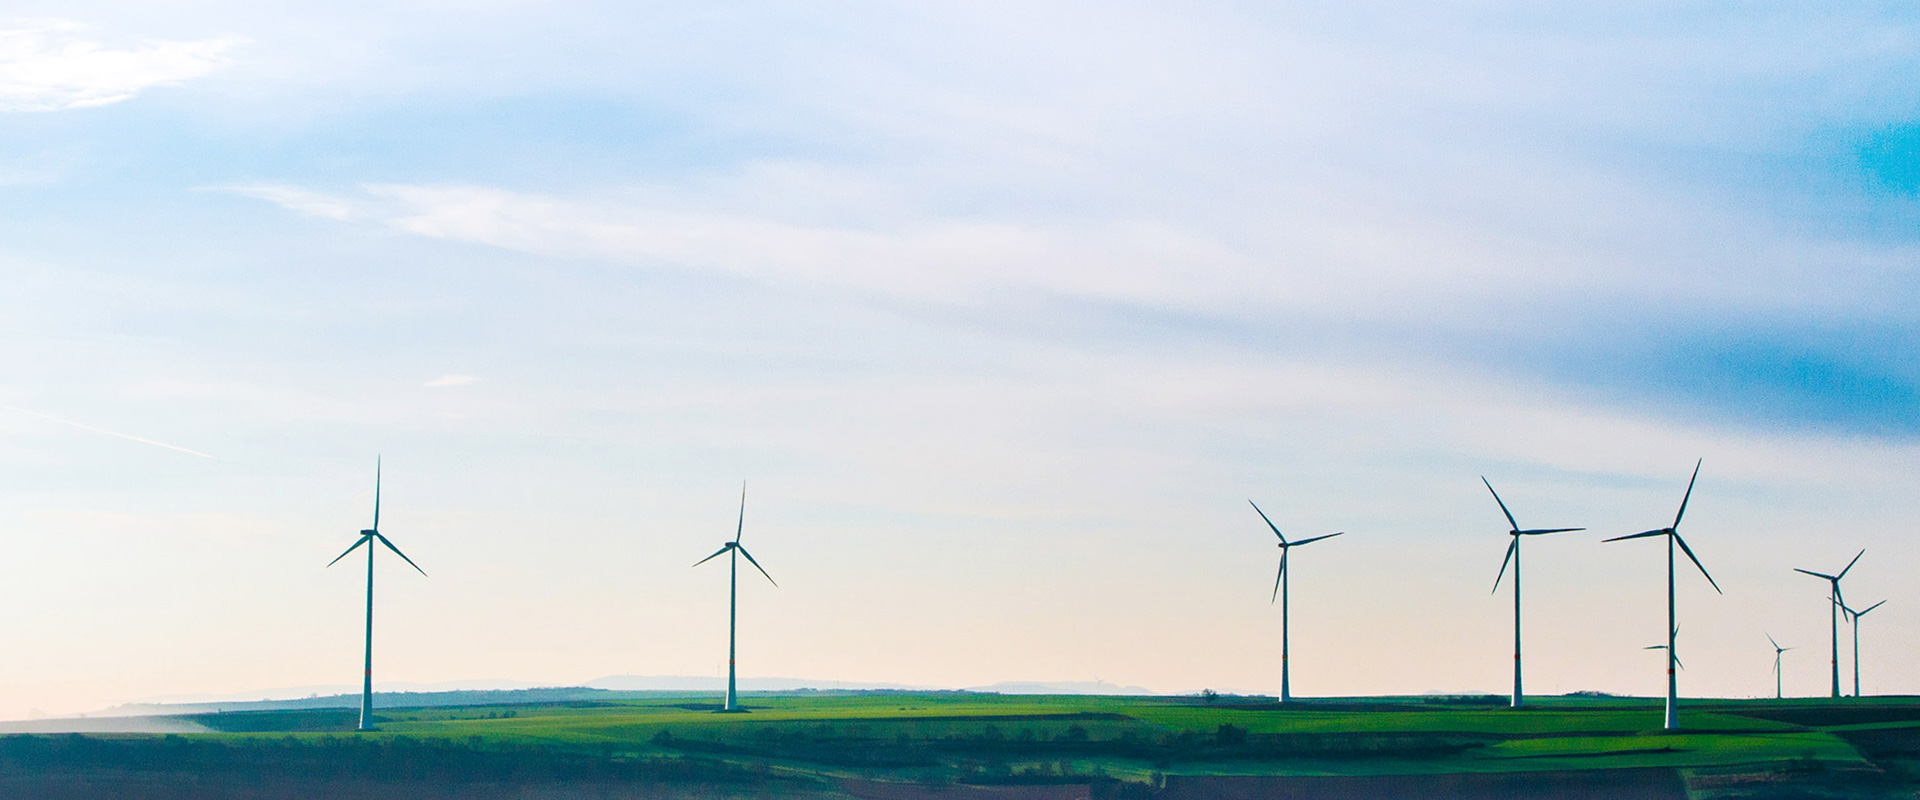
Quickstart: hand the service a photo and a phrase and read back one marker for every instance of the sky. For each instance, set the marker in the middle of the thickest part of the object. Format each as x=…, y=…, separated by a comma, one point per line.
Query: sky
x=1001, y=311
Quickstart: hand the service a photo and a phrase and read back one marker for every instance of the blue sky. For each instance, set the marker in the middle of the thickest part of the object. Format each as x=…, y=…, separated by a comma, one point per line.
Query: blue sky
x=1003, y=310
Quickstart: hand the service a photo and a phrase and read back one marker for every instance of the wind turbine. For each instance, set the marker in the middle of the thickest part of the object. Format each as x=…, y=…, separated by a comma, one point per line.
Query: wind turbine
x=1513, y=555
x=1777, y=650
x=1855, y=617
x=1280, y=593
x=1834, y=612
x=733, y=595
x=367, y=537
x=1672, y=534
x=1668, y=648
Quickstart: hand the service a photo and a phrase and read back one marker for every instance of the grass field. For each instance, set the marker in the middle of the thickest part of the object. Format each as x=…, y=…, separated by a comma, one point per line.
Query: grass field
x=840, y=744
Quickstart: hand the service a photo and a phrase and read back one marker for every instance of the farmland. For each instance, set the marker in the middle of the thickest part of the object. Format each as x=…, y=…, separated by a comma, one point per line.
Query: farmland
x=959, y=745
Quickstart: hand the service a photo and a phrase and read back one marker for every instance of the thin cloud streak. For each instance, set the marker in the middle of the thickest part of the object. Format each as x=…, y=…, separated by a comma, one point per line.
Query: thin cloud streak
x=85, y=427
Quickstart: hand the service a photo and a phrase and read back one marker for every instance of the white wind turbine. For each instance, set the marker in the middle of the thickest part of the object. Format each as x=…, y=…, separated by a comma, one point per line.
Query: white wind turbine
x=1835, y=610
x=1672, y=535
x=1280, y=593
x=1777, y=650
x=1854, y=617
x=1513, y=557
x=368, y=537
x=732, y=705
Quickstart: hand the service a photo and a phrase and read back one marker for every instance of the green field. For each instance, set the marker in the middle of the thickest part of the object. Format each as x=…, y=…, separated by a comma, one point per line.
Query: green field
x=824, y=743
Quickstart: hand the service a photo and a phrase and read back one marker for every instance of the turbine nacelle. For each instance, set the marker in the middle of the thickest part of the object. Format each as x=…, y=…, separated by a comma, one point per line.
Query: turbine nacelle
x=373, y=533
x=735, y=544
x=1834, y=580
x=1854, y=616
x=1285, y=546
x=1514, y=547
x=1673, y=531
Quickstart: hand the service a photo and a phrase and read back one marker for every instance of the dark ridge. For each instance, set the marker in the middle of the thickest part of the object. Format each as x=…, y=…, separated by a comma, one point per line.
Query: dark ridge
x=1061, y=717
x=1820, y=717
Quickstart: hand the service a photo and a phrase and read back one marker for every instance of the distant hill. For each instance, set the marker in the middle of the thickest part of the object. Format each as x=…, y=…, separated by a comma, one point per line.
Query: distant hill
x=1062, y=687
x=608, y=688
x=695, y=683
x=484, y=697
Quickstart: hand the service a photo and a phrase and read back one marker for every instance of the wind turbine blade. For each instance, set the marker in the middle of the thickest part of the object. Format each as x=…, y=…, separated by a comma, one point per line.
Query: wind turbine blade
x=1696, y=562
x=1814, y=574
x=1689, y=494
x=356, y=545
x=756, y=565
x=742, y=525
x=376, y=493
x=1511, y=546
x=1539, y=531
x=716, y=554
x=1263, y=515
x=1503, y=503
x=1310, y=540
x=1776, y=645
x=1856, y=559
x=403, y=556
x=1277, y=576
x=1863, y=612
x=1678, y=663
x=1641, y=535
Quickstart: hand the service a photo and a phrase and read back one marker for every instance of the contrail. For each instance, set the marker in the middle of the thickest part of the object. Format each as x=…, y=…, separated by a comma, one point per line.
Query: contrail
x=86, y=427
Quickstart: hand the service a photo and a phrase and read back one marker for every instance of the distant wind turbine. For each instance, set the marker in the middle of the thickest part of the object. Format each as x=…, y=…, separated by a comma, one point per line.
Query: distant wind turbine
x=1669, y=649
x=1838, y=602
x=1777, y=650
x=733, y=595
x=1513, y=556
x=1280, y=594
x=1855, y=616
x=1672, y=534
x=367, y=537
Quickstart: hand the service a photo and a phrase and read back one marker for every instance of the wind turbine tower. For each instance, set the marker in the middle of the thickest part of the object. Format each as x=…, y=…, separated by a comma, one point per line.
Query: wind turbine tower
x=735, y=551
x=1777, y=650
x=1672, y=534
x=1834, y=611
x=1854, y=617
x=1280, y=593
x=368, y=537
x=1513, y=556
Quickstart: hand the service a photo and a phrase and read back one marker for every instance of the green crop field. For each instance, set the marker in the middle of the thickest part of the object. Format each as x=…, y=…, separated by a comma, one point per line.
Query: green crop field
x=836, y=744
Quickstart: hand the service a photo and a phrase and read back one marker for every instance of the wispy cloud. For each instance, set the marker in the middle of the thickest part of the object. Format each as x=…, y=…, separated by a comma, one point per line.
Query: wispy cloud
x=304, y=201
x=1144, y=261
x=85, y=427
x=452, y=380
x=55, y=65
